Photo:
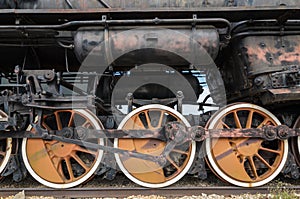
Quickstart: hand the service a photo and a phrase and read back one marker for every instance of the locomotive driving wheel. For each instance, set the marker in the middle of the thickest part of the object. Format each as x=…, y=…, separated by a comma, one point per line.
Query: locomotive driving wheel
x=145, y=172
x=5, y=146
x=295, y=143
x=246, y=162
x=62, y=165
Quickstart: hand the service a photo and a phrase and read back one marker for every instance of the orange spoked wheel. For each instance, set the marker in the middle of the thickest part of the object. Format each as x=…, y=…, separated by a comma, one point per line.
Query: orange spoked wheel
x=62, y=165
x=246, y=162
x=145, y=172
x=5, y=146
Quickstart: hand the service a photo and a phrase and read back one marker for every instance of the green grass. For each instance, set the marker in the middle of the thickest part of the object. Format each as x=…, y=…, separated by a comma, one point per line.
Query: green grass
x=282, y=191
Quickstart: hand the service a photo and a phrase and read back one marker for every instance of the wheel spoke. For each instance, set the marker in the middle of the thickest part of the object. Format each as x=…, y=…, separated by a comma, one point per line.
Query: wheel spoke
x=264, y=122
x=173, y=163
x=253, y=167
x=264, y=161
x=180, y=151
x=56, y=162
x=79, y=161
x=86, y=124
x=84, y=150
x=270, y=150
x=69, y=167
x=249, y=119
x=46, y=126
x=148, y=119
x=58, y=121
x=135, y=123
x=71, y=121
x=60, y=172
x=161, y=118
x=237, y=120
x=225, y=125
x=52, y=142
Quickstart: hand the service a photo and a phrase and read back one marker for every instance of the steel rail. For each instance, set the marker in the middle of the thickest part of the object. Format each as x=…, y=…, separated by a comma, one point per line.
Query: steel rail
x=129, y=191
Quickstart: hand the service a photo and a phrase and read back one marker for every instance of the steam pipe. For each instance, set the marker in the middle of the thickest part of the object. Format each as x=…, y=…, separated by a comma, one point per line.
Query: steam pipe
x=155, y=21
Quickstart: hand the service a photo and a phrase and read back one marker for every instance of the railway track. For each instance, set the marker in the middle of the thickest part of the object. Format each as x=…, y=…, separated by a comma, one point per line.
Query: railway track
x=168, y=192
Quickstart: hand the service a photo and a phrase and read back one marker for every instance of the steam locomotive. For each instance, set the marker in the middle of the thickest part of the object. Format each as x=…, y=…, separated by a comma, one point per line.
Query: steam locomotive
x=156, y=89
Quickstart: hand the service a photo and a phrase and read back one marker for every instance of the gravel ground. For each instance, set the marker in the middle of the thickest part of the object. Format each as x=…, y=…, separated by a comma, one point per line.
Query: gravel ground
x=123, y=181
x=279, y=185
x=21, y=195
x=120, y=181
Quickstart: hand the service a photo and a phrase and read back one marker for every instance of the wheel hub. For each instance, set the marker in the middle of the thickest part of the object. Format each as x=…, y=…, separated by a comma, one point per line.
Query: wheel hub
x=247, y=147
x=61, y=149
x=150, y=146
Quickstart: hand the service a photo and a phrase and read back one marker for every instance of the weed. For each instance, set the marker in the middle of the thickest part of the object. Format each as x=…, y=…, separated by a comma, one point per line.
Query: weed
x=282, y=191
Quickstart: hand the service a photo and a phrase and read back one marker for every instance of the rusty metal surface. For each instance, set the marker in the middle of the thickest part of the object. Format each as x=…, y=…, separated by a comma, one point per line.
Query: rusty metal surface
x=265, y=58
x=269, y=53
x=119, y=42
x=281, y=95
x=173, y=132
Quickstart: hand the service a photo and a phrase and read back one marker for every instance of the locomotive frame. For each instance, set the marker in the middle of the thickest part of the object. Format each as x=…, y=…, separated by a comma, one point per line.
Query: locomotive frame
x=75, y=131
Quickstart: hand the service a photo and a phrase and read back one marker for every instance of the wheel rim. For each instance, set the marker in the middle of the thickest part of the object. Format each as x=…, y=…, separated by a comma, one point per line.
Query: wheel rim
x=295, y=143
x=5, y=146
x=62, y=165
x=246, y=162
x=147, y=173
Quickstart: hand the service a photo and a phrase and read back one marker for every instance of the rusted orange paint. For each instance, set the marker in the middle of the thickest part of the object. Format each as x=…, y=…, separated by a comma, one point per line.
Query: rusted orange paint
x=144, y=170
x=237, y=151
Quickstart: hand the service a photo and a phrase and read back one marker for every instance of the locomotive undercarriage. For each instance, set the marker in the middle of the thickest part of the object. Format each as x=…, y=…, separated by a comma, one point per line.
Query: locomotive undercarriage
x=61, y=121
x=245, y=130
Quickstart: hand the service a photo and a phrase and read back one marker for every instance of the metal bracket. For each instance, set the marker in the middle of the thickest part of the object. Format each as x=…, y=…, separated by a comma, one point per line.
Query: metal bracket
x=129, y=99
x=194, y=20
x=198, y=168
x=180, y=97
x=291, y=169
